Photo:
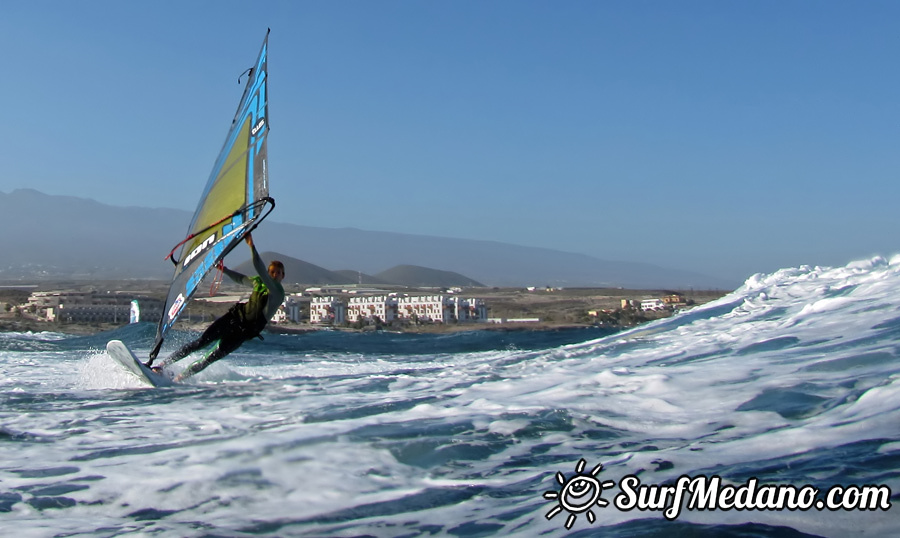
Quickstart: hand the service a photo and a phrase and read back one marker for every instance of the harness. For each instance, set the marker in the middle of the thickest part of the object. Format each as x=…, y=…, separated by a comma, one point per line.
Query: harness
x=252, y=314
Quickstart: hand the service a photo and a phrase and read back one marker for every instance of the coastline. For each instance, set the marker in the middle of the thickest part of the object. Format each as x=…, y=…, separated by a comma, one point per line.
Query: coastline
x=556, y=309
x=90, y=329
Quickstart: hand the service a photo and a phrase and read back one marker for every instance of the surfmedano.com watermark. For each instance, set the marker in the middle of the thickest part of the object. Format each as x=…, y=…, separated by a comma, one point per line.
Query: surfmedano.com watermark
x=583, y=491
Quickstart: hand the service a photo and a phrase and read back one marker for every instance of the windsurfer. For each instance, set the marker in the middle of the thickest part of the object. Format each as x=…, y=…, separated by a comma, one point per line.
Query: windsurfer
x=243, y=321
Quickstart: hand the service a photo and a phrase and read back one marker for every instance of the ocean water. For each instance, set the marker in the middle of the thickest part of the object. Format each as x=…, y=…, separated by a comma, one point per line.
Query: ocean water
x=791, y=380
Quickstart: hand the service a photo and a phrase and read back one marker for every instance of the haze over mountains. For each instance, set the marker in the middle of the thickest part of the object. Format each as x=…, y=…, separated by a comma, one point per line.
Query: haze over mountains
x=67, y=237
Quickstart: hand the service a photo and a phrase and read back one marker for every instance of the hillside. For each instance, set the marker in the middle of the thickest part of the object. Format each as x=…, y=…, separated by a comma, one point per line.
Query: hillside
x=301, y=272
x=416, y=276
x=359, y=277
x=295, y=271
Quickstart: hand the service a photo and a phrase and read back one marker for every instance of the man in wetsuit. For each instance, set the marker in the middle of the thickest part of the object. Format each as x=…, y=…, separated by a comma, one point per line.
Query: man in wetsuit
x=242, y=322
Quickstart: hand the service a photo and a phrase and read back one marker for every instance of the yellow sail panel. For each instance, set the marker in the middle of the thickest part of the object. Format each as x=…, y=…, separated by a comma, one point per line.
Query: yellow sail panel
x=228, y=192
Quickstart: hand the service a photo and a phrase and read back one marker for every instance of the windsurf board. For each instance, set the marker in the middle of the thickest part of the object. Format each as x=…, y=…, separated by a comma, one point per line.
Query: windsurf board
x=126, y=358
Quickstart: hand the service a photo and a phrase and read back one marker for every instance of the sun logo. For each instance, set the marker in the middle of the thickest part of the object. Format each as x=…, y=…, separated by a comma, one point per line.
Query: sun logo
x=578, y=494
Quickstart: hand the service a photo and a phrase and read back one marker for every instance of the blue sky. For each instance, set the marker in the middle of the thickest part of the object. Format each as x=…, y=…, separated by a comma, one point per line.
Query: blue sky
x=727, y=138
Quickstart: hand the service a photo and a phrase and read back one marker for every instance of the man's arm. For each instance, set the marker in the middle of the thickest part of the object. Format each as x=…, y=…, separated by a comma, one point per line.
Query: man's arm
x=240, y=278
x=259, y=265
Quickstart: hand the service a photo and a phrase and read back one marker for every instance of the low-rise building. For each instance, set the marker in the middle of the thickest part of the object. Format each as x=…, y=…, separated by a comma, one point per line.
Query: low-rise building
x=652, y=304
x=469, y=309
x=433, y=308
x=370, y=307
x=675, y=299
x=90, y=313
x=327, y=310
x=92, y=306
x=441, y=309
x=290, y=310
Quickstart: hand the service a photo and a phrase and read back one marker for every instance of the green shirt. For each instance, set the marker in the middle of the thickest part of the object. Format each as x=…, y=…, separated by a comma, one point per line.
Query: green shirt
x=267, y=295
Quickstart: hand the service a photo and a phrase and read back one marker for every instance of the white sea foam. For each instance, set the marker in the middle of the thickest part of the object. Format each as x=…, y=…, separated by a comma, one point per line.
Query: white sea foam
x=793, y=377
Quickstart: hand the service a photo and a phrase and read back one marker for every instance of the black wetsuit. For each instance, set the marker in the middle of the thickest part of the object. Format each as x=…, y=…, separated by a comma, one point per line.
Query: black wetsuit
x=242, y=322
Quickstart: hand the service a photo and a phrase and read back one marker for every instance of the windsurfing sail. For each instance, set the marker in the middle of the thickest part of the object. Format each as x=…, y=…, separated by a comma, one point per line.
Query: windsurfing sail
x=235, y=200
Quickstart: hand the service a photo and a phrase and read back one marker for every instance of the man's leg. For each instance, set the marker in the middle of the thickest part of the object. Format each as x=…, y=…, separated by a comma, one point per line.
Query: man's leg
x=217, y=330
x=223, y=348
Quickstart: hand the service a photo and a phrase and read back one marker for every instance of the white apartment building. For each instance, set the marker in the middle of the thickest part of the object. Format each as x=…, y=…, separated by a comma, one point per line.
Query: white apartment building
x=331, y=309
x=369, y=307
x=90, y=313
x=469, y=309
x=652, y=304
x=435, y=308
x=288, y=311
x=328, y=309
x=92, y=306
x=441, y=308
x=40, y=301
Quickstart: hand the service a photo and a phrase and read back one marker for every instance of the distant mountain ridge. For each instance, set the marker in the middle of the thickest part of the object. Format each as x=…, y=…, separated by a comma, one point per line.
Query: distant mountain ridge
x=295, y=271
x=68, y=237
x=414, y=275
